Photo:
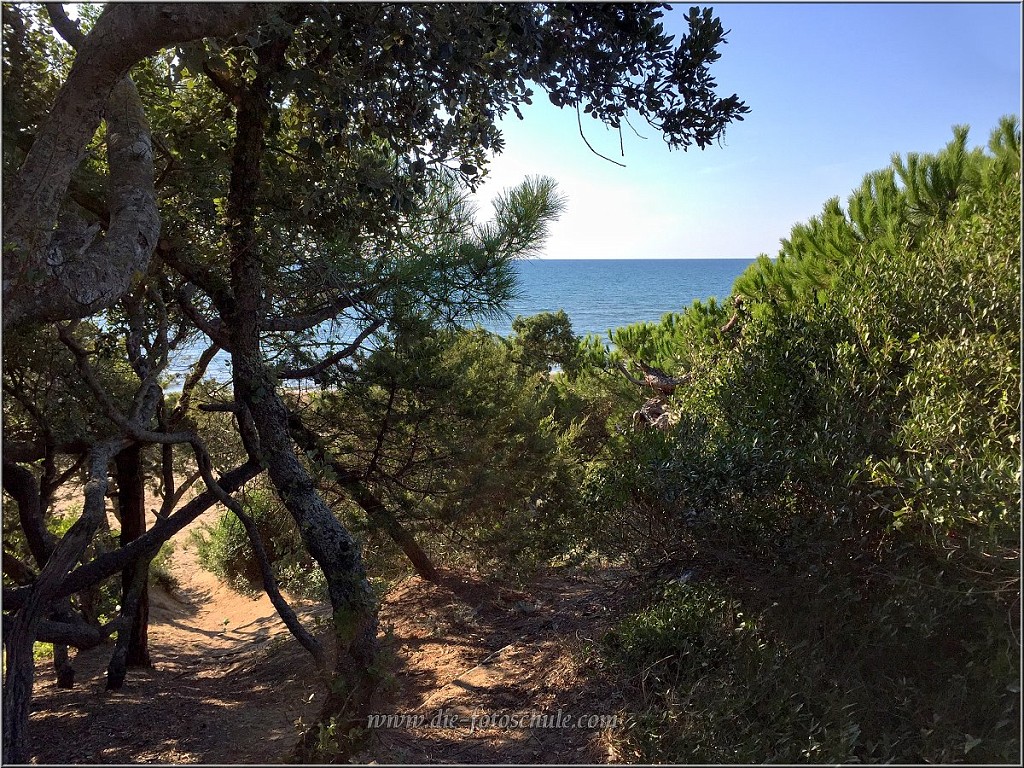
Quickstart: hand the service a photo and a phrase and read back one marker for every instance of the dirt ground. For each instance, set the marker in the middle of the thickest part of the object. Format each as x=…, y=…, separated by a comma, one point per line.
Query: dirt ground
x=476, y=661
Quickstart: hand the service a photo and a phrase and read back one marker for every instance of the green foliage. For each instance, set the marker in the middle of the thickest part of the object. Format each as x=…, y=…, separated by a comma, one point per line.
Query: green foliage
x=545, y=340
x=944, y=368
x=465, y=444
x=713, y=690
x=44, y=393
x=34, y=65
x=859, y=428
x=889, y=385
x=42, y=651
x=224, y=549
x=818, y=662
x=159, y=568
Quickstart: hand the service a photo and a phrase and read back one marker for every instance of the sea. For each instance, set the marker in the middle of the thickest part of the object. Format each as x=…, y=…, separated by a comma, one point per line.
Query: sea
x=598, y=295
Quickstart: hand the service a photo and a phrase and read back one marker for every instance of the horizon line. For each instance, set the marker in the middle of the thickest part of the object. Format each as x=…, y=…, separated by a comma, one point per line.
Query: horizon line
x=638, y=258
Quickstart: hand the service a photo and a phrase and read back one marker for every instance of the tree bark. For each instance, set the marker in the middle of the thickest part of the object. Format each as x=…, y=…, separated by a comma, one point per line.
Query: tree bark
x=61, y=661
x=19, y=674
x=21, y=483
x=52, y=272
x=284, y=610
x=375, y=509
x=121, y=659
x=131, y=502
x=18, y=571
x=327, y=541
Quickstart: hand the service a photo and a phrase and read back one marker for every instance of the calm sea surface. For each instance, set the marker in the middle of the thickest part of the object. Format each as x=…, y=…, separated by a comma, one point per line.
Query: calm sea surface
x=597, y=294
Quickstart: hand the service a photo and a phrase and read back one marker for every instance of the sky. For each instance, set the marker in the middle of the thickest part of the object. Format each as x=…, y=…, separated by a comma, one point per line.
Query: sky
x=834, y=90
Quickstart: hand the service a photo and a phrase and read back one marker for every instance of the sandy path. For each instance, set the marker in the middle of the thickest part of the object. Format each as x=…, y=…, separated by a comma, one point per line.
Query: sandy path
x=493, y=658
x=218, y=692
x=230, y=685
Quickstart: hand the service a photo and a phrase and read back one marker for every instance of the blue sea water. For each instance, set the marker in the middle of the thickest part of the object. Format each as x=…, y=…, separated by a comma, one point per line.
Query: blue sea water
x=597, y=294
x=603, y=294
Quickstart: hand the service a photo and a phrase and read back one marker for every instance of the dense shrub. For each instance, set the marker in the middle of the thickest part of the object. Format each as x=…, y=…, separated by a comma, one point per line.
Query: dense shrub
x=845, y=465
x=818, y=666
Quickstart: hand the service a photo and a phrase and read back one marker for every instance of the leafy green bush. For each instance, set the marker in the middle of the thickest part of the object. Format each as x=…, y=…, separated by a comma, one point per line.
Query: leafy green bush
x=845, y=461
x=822, y=663
x=714, y=688
x=466, y=440
x=159, y=568
x=224, y=549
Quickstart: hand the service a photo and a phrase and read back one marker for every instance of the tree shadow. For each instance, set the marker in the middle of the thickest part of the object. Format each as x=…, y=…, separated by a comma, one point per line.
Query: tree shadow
x=490, y=682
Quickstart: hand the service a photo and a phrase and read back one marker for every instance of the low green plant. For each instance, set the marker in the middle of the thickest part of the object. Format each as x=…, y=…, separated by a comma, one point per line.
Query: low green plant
x=159, y=568
x=845, y=466
x=906, y=665
x=223, y=548
x=42, y=651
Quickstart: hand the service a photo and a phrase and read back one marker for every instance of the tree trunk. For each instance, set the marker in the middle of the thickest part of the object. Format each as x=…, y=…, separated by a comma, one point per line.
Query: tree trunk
x=384, y=518
x=19, y=674
x=131, y=501
x=23, y=486
x=50, y=277
x=62, y=666
x=379, y=514
x=61, y=661
x=327, y=541
x=131, y=598
x=107, y=565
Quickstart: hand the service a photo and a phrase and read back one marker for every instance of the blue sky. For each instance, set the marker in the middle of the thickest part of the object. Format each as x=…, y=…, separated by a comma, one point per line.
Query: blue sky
x=834, y=91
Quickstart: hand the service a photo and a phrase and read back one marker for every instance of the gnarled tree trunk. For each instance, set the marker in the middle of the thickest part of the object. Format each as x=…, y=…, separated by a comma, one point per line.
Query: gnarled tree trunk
x=55, y=272
x=20, y=634
x=131, y=502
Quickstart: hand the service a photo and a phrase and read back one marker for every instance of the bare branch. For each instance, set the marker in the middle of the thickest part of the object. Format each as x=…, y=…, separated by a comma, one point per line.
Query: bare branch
x=313, y=319
x=19, y=571
x=65, y=27
x=621, y=367
x=79, y=634
x=23, y=487
x=150, y=542
x=284, y=610
x=172, y=499
x=337, y=357
x=579, y=122
x=131, y=425
x=132, y=428
x=212, y=328
x=196, y=375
